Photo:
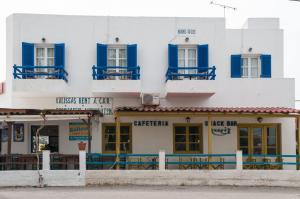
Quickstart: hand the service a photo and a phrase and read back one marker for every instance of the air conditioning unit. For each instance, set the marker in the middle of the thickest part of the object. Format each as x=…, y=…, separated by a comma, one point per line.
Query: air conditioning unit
x=149, y=99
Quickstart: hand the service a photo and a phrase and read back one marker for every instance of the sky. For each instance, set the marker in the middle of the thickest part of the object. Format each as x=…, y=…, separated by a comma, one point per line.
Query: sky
x=288, y=12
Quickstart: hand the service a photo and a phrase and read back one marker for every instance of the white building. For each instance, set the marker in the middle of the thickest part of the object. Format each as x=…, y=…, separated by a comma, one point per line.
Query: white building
x=161, y=62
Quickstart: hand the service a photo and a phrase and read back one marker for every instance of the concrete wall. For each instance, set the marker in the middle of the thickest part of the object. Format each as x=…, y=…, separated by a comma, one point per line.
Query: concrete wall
x=50, y=178
x=195, y=177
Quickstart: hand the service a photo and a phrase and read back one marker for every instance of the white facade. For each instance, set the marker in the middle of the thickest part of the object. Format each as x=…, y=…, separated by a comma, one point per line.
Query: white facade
x=152, y=36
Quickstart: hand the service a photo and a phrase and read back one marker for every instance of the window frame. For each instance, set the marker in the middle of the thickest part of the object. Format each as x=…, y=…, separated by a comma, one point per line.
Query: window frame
x=117, y=59
x=249, y=58
x=104, y=125
x=46, y=57
x=187, y=142
x=264, y=127
x=186, y=59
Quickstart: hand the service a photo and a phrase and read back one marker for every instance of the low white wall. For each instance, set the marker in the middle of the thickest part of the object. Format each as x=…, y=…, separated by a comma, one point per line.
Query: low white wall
x=195, y=177
x=51, y=178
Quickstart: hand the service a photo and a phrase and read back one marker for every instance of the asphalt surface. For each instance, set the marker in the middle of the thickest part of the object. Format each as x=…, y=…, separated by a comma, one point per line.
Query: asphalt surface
x=150, y=192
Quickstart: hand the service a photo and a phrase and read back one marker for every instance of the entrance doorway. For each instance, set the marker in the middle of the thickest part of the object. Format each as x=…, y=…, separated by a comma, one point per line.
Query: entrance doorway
x=47, y=139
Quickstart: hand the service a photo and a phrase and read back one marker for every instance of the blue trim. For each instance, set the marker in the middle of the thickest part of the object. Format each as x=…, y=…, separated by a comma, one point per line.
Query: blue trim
x=27, y=58
x=202, y=54
x=236, y=66
x=101, y=57
x=266, y=68
x=100, y=72
x=209, y=75
x=173, y=57
x=22, y=72
x=132, y=59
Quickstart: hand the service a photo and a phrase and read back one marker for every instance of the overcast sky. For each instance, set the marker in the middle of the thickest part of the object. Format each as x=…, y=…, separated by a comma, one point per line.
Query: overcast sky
x=287, y=11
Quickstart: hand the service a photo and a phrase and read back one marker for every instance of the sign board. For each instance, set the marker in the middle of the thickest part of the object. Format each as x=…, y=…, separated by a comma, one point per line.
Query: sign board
x=103, y=104
x=78, y=131
x=221, y=128
x=186, y=31
x=150, y=123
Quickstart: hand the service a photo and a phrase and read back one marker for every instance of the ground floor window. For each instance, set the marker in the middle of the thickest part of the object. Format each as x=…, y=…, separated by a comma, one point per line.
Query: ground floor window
x=47, y=139
x=188, y=138
x=259, y=139
x=109, y=138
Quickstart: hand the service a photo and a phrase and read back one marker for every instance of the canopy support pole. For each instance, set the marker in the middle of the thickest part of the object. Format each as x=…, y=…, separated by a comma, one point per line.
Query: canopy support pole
x=209, y=140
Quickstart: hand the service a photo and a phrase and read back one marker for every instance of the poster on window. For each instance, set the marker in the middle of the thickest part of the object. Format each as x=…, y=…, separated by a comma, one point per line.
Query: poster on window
x=4, y=135
x=18, y=134
x=78, y=131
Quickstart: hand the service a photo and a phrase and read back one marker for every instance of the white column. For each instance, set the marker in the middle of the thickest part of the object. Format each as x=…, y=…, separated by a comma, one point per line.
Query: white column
x=46, y=160
x=162, y=160
x=239, y=160
x=82, y=160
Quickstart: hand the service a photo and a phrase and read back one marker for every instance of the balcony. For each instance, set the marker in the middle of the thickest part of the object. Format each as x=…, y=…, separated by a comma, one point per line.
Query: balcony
x=31, y=81
x=40, y=72
x=112, y=81
x=190, y=81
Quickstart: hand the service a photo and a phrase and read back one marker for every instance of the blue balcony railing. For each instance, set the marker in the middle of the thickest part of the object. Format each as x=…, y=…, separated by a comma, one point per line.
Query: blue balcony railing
x=38, y=72
x=116, y=72
x=198, y=73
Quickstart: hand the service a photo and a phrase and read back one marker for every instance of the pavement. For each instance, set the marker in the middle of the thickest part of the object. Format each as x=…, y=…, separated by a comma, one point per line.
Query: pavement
x=151, y=192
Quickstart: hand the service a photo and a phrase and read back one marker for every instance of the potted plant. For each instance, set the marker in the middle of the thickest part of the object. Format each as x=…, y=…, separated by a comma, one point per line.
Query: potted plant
x=81, y=146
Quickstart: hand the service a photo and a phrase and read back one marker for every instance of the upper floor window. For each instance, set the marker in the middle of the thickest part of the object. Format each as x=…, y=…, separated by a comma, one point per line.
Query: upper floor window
x=117, y=58
x=251, y=66
x=187, y=58
x=189, y=62
x=44, y=56
x=41, y=60
x=116, y=62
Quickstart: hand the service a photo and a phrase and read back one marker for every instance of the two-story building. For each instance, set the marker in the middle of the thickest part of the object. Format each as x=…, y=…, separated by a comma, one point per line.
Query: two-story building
x=182, y=85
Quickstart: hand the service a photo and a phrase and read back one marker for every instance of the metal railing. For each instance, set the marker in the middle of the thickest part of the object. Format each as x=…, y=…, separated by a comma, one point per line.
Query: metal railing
x=265, y=161
x=64, y=161
x=111, y=72
x=37, y=72
x=198, y=73
x=20, y=162
x=199, y=161
x=127, y=161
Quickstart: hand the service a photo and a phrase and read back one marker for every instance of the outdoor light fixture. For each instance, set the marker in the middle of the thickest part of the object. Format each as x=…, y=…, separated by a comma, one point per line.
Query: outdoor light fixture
x=187, y=39
x=259, y=119
x=250, y=50
x=43, y=39
x=117, y=39
x=188, y=119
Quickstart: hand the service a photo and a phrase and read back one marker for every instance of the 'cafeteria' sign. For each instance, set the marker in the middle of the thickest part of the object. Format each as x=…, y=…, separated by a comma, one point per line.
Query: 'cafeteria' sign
x=103, y=104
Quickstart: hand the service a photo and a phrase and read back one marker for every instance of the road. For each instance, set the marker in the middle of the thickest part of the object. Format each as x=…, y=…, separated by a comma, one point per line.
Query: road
x=153, y=192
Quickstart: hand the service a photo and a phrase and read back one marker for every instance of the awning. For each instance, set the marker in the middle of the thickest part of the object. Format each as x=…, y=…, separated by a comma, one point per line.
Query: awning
x=15, y=115
x=278, y=111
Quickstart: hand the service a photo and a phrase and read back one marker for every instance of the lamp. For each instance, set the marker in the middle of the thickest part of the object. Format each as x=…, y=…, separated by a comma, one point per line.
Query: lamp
x=250, y=49
x=43, y=39
x=188, y=119
x=187, y=39
x=259, y=119
x=117, y=39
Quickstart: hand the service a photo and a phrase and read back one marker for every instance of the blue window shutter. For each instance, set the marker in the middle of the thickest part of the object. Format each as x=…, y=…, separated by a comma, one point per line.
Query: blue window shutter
x=132, y=60
x=59, y=54
x=265, y=66
x=202, y=51
x=101, y=58
x=27, y=58
x=236, y=66
x=173, y=57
